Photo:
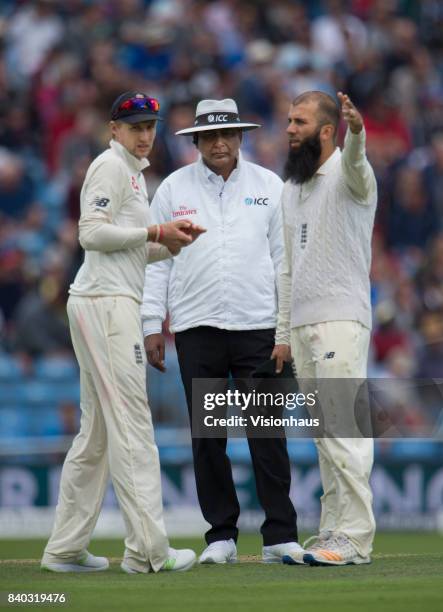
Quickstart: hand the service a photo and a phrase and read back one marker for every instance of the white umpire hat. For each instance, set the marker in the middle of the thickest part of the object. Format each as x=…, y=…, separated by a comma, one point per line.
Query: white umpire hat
x=217, y=115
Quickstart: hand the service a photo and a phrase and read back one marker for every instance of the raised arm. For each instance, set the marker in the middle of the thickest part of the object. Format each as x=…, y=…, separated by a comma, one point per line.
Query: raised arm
x=357, y=171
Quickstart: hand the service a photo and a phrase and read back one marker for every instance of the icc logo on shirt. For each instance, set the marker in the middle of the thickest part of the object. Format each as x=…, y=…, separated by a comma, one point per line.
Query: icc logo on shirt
x=256, y=201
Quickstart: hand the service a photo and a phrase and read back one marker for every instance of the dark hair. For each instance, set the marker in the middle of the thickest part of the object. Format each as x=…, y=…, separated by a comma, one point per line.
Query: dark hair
x=328, y=110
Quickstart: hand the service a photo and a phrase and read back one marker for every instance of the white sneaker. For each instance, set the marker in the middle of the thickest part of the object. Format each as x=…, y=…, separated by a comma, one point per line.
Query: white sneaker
x=131, y=570
x=336, y=550
x=290, y=553
x=85, y=563
x=177, y=561
x=317, y=541
x=223, y=551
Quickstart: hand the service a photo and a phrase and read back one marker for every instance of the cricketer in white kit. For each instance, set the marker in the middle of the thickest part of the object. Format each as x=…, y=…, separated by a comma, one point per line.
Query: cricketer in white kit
x=328, y=206
x=116, y=433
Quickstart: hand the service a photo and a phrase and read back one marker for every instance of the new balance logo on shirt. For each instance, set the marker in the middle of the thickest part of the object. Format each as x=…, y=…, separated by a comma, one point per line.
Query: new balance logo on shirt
x=99, y=202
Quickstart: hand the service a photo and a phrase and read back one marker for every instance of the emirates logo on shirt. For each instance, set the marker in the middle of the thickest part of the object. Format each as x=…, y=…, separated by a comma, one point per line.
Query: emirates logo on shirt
x=135, y=184
x=184, y=211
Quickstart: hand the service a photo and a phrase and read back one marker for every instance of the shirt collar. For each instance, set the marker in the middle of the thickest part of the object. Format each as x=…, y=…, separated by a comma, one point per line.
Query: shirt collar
x=209, y=174
x=135, y=164
x=327, y=166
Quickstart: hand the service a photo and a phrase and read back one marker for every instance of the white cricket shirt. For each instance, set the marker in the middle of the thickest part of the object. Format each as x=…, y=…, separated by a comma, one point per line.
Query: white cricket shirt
x=113, y=227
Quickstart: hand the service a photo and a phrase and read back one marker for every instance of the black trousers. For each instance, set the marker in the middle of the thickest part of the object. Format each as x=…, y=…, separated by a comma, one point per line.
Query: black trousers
x=208, y=352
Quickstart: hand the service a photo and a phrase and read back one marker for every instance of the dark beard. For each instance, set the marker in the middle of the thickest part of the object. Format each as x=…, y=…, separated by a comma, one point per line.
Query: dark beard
x=302, y=163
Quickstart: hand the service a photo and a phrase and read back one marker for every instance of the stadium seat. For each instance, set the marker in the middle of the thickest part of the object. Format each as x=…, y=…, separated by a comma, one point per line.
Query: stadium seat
x=238, y=449
x=46, y=422
x=14, y=422
x=10, y=368
x=301, y=450
x=12, y=393
x=42, y=393
x=59, y=369
x=418, y=450
x=36, y=393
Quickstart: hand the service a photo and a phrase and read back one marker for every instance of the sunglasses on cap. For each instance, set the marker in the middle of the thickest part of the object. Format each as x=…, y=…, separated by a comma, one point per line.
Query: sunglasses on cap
x=138, y=104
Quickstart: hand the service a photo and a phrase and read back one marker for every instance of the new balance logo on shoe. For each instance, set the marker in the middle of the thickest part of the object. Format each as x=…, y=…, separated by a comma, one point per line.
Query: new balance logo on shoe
x=329, y=355
x=336, y=550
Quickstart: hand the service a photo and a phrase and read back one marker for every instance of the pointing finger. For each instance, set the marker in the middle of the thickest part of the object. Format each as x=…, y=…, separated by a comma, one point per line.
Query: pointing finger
x=344, y=99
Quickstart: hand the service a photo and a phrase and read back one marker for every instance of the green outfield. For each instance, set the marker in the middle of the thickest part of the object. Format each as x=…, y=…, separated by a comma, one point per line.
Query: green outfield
x=406, y=575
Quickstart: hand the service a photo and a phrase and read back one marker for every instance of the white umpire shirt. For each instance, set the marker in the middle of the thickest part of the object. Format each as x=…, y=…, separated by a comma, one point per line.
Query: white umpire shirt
x=228, y=277
x=113, y=226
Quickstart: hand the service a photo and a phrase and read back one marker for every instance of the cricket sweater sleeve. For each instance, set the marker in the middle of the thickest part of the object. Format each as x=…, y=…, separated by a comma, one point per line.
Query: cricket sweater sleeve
x=155, y=292
x=283, y=332
x=101, y=199
x=157, y=252
x=357, y=171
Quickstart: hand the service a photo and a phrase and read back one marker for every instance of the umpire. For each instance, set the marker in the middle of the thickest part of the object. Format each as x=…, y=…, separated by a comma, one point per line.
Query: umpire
x=222, y=303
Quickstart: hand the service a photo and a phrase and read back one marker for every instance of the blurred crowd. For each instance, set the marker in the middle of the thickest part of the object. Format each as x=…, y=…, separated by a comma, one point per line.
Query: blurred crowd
x=62, y=62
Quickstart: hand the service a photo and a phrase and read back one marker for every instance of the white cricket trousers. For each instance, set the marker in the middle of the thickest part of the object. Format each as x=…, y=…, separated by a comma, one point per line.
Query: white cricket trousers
x=116, y=436
x=339, y=349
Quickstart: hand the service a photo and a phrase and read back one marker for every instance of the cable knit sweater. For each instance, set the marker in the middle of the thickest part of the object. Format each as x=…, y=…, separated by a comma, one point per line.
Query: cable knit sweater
x=328, y=225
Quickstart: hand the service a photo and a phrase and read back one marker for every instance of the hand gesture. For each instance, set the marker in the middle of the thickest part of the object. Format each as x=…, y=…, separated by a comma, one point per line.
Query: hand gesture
x=194, y=231
x=281, y=353
x=175, y=234
x=155, y=351
x=350, y=113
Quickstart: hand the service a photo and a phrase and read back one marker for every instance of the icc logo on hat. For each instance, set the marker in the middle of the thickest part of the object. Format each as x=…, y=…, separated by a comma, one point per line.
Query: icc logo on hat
x=217, y=114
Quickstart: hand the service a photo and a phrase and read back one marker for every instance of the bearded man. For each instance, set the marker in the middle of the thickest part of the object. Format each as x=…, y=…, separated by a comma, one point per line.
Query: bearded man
x=328, y=205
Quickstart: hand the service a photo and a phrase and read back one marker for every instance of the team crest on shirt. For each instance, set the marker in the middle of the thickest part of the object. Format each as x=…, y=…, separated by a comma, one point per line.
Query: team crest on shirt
x=184, y=211
x=138, y=354
x=304, y=235
x=134, y=184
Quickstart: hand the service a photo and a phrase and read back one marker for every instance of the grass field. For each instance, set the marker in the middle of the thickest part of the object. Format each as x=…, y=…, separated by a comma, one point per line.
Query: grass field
x=406, y=575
